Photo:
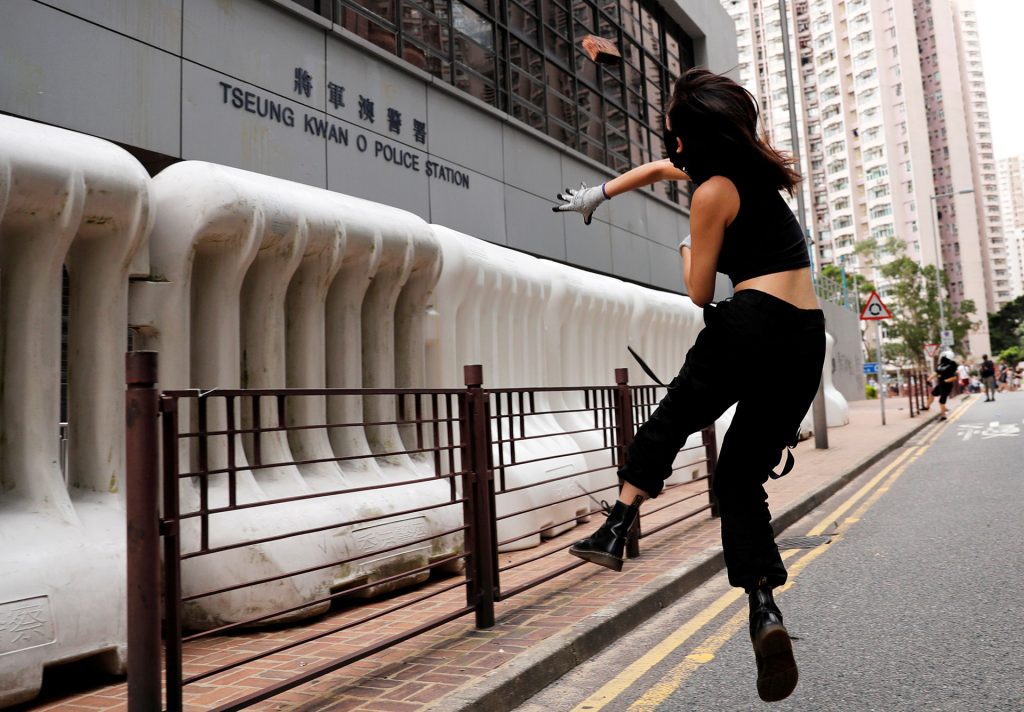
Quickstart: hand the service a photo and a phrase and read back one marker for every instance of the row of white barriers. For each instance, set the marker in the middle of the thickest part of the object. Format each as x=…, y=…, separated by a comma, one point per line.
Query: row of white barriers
x=240, y=280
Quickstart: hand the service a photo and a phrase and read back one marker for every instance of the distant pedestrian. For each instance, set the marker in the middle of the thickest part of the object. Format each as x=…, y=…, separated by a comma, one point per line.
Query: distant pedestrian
x=963, y=372
x=988, y=377
x=1004, y=377
x=741, y=226
x=945, y=377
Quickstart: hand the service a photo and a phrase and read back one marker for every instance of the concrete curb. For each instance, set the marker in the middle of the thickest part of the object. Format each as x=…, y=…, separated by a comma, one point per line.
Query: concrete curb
x=524, y=676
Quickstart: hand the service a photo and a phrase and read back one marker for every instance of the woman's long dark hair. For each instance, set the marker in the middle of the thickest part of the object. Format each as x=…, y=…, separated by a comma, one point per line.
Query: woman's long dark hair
x=716, y=119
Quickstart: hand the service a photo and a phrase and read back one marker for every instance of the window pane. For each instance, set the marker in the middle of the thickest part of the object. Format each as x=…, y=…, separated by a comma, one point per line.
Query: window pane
x=613, y=90
x=615, y=119
x=635, y=105
x=528, y=115
x=562, y=132
x=523, y=22
x=583, y=13
x=525, y=57
x=652, y=33
x=630, y=17
x=472, y=24
x=556, y=16
x=477, y=85
x=475, y=57
x=425, y=28
x=371, y=27
x=594, y=149
x=586, y=70
x=525, y=87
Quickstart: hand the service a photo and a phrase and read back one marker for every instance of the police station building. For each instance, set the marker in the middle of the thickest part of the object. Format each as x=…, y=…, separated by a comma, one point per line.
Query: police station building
x=471, y=114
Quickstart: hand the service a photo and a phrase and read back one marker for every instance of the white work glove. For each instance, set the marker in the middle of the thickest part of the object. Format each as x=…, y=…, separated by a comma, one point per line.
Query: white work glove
x=583, y=201
x=685, y=243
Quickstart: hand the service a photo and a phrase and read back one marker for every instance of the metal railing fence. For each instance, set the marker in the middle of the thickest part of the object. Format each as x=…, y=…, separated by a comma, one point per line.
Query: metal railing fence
x=258, y=476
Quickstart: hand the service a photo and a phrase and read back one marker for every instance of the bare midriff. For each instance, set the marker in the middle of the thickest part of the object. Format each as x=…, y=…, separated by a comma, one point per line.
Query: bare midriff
x=793, y=286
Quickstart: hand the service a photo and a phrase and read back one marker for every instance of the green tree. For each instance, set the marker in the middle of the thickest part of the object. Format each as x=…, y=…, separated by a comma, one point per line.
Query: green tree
x=1012, y=355
x=853, y=281
x=915, y=310
x=1004, y=325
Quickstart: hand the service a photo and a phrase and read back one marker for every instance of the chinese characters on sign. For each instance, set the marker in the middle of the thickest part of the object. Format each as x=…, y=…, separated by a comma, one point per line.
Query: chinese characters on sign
x=335, y=95
x=324, y=126
x=394, y=121
x=25, y=624
x=303, y=82
x=367, y=110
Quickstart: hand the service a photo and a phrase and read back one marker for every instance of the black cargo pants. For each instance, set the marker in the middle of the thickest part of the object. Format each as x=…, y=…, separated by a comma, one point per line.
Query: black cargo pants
x=766, y=355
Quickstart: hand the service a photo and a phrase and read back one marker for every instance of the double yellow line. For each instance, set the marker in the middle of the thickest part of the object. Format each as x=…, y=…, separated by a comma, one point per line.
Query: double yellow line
x=706, y=650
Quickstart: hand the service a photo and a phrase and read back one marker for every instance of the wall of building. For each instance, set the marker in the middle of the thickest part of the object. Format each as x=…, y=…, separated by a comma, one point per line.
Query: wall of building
x=247, y=83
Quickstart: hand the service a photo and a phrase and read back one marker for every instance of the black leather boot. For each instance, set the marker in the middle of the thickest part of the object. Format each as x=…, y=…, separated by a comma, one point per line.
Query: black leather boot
x=776, y=667
x=608, y=544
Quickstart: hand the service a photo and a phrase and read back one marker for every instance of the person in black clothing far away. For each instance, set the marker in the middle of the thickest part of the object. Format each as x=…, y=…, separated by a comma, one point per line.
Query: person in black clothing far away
x=945, y=378
x=741, y=226
x=988, y=377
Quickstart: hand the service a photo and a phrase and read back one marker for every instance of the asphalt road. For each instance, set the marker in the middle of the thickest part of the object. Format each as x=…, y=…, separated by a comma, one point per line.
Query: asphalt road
x=916, y=604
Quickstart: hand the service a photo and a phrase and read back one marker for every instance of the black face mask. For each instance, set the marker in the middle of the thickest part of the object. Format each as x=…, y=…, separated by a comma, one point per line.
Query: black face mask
x=670, y=150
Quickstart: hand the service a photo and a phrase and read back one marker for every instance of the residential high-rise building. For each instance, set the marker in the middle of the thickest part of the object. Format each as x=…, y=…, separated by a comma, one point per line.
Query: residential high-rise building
x=963, y=237
x=979, y=134
x=1010, y=174
x=762, y=70
x=898, y=144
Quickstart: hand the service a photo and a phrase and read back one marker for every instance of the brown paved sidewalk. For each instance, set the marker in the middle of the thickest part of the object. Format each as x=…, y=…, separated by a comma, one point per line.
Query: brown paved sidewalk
x=539, y=634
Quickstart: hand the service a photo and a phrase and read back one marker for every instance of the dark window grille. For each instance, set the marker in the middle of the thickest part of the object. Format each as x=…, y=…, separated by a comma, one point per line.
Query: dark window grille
x=523, y=57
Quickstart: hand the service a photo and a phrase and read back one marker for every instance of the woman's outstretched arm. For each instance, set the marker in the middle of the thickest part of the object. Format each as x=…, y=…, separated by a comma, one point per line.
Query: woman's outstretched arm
x=642, y=176
x=586, y=200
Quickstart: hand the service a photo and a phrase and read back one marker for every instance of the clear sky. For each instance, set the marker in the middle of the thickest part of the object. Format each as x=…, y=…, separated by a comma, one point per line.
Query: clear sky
x=1001, y=27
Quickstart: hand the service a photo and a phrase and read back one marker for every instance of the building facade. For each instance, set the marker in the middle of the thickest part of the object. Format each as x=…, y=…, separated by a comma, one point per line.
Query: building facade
x=762, y=71
x=1010, y=175
x=469, y=113
x=985, y=183
x=898, y=144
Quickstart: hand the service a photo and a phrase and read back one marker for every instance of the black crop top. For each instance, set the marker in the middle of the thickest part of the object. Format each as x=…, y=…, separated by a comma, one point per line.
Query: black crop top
x=763, y=238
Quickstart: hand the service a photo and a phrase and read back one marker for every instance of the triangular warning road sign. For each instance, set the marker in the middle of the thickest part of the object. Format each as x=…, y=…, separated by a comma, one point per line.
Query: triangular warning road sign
x=930, y=350
x=875, y=309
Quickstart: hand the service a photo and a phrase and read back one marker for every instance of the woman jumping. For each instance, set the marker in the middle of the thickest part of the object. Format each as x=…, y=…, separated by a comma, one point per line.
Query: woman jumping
x=739, y=225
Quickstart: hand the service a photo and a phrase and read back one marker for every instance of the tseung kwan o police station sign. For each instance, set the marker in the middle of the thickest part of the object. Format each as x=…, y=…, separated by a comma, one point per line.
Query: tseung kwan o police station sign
x=376, y=116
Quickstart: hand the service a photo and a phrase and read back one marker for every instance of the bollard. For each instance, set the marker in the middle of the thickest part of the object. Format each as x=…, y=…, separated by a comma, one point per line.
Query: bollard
x=482, y=535
x=910, y=392
x=143, y=536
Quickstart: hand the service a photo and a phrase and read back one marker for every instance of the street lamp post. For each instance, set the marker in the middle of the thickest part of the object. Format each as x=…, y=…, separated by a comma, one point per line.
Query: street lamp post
x=818, y=408
x=934, y=202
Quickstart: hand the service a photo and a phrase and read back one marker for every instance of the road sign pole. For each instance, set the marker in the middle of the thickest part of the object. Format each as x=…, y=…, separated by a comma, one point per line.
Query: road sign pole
x=881, y=366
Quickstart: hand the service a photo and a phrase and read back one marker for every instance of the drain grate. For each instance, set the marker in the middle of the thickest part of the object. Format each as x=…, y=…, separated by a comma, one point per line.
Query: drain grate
x=802, y=542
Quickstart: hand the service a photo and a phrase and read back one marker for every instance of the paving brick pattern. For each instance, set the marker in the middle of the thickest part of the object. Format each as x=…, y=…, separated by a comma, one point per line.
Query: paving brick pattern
x=416, y=674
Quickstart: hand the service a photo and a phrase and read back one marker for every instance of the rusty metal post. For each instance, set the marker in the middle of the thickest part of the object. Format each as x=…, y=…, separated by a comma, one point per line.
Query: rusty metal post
x=482, y=526
x=624, y=428
x=711, y=450
x=143, y=534
x=169, y=528
x=910, y=392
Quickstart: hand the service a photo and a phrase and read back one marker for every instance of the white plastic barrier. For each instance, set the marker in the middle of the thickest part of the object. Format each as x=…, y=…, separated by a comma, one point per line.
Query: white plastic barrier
x=245, y=261
x=65, y=200
x=489, y=305
x=261, y=283
x=532, y=321
x=837, y=410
